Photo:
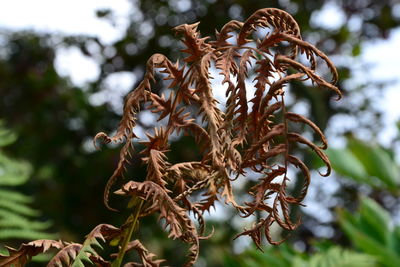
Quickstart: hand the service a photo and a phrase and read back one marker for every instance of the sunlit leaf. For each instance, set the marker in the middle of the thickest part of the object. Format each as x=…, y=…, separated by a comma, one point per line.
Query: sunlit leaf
x=376, y=162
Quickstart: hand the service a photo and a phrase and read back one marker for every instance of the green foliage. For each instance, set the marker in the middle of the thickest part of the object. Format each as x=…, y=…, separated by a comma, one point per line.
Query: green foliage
x=284, y=256
x=17, y=219
x=366, y=163
x=6, y=136
x=337, y=256
x=371, y=230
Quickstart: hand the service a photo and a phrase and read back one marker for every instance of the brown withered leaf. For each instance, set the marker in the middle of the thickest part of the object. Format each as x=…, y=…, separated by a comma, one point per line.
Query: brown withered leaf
x=196, y=47
x=223, y=36
x=260, y=191
x=269, y=17
x=299, y=118
x=145, y=256
x=65, y=256
x=19, y=257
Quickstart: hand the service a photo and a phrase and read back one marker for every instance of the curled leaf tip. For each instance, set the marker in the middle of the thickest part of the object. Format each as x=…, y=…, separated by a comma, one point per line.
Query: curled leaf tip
x=101, y=137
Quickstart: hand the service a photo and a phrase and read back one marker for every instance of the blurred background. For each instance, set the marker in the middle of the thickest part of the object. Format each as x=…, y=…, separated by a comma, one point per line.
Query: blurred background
x=65, y=67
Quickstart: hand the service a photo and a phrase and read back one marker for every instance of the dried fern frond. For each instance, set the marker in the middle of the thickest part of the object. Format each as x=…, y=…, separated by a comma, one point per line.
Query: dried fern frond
x=250, y=133
x=236, y=138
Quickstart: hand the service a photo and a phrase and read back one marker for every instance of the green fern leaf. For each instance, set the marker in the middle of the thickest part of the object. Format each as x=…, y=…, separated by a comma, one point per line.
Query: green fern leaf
x=17, y=219
x=102, y=232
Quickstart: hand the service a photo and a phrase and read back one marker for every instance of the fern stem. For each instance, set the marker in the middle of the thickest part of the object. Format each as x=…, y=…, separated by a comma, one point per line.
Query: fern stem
x=133, y=219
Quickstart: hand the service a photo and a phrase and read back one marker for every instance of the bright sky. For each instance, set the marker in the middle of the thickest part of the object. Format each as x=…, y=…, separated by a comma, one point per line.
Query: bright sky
x=66, y=17
x=72, y=16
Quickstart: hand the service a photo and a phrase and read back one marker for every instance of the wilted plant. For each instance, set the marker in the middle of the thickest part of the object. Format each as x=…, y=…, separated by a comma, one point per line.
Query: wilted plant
x=247, y=135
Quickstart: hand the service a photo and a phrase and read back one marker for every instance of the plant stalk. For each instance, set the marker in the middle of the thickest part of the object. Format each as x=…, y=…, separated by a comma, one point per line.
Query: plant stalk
x=133, y=218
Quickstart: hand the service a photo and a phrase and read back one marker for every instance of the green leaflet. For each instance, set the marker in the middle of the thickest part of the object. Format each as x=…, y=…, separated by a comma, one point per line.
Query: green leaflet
x=365, y=163
x=14, y=196
x=284, y=256
x=6, y=136
x=18, y=207
x=337, y=256
x=88, y=247
x=377, y=162
x=102, y=231
x=29, y=234
x=377, y=219
x=12, y=172
x=370, y=231
x=346, y=164
x=17, y=219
